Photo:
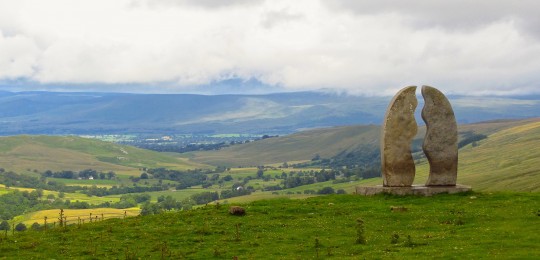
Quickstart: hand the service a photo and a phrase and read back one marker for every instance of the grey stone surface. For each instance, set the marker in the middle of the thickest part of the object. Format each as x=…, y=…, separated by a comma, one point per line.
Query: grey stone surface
x=440, y=142
x=399, y=128
x=411, y=190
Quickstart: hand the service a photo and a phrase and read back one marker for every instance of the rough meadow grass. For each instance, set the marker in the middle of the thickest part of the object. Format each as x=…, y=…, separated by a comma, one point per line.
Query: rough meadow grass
x=466, y=226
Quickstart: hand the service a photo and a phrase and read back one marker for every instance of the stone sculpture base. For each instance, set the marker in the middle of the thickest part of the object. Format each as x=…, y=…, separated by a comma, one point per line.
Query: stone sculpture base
x=412, y=190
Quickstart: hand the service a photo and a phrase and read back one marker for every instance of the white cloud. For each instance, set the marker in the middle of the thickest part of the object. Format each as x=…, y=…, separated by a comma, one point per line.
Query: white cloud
x=18, y=56
x=359, y=46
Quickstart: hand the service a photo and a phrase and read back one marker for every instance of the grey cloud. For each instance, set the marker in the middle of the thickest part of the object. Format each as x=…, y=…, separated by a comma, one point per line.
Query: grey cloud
x=453, y=15
x=272, y=18
x=206, y=4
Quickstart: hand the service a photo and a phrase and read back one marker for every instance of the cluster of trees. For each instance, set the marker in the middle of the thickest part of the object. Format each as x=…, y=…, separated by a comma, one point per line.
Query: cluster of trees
x=164, y=203
x=84, y=174
x=207, y=197
x=236, y=191
x=175, y=148
x=185, y=179
x=10, y=179
x=325, y=190
x=295, y=179
x=363, y=162
x=470, y=137
x=18, y=202
x=183, y=147
x=4, y=225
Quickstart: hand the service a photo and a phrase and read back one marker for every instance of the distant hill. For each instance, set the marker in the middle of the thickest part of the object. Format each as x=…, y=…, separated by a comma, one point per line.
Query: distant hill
x=26, y=153
x=280, y=113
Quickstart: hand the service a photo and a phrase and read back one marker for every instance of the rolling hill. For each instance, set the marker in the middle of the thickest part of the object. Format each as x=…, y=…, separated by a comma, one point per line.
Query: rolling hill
x=26, y=153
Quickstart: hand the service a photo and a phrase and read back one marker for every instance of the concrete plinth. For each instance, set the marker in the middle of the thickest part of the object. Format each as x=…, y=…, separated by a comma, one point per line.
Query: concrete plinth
x=412, y=190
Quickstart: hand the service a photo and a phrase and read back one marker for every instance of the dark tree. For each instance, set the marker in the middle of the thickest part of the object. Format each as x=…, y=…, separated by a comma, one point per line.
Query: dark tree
x=35, y=226
x=260, y=173
x=4, y=225
x=20, y=227
x=326, y=190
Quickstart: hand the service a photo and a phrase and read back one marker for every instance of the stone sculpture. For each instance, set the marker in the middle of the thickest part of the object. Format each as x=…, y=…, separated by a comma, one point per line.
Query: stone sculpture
x=440, y=142
x=440, y=146
x=399, y=128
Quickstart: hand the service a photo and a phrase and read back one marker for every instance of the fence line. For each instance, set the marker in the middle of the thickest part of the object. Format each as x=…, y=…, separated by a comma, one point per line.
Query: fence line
x=85, y=218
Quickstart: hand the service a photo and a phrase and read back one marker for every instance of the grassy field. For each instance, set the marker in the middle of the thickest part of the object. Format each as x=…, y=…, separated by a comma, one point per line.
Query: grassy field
x=72, y=215
x=464, y=226
x=28, y=153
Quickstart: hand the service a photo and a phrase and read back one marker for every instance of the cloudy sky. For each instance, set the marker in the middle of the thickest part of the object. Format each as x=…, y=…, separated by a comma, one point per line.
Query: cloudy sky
x=357, y=46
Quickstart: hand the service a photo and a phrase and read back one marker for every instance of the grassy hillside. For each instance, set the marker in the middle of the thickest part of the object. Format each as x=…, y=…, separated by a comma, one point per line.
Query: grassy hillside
x=24, y=153
x=326, y=142
x=506, y=160
x=468, y=226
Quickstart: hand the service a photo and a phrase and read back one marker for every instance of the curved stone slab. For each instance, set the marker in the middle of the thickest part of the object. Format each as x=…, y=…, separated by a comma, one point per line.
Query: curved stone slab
x=440, y=142
x=399, y=128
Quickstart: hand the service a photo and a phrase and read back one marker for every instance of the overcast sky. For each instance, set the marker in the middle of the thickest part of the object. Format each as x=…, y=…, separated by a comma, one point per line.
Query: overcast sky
x=362, y=47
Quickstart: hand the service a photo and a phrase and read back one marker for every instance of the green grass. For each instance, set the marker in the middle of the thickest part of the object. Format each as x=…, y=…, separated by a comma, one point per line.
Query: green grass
x=465, y=226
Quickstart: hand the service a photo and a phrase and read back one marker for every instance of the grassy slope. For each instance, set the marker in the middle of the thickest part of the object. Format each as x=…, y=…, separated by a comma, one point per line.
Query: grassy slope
x=325, y=142
x=467, y=226
x=20, y=153
x=506, y=160
x=295, y=147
